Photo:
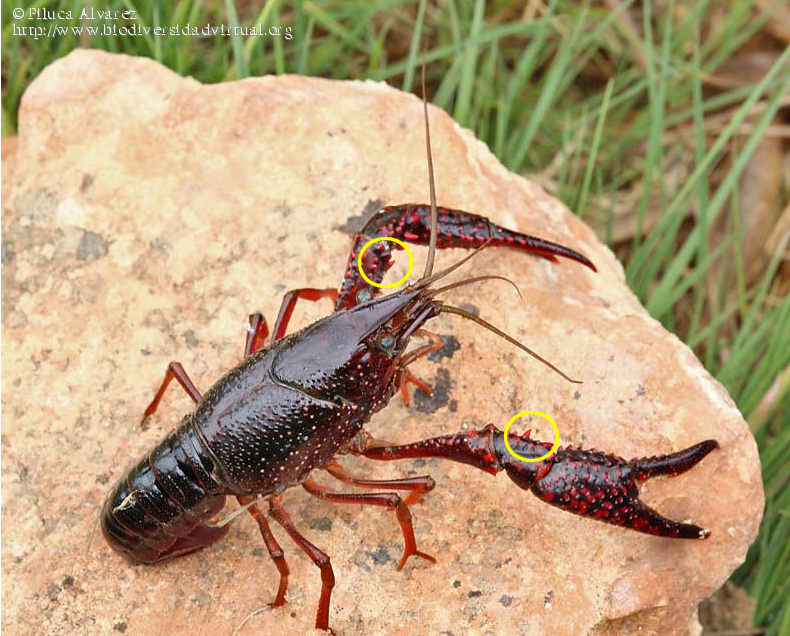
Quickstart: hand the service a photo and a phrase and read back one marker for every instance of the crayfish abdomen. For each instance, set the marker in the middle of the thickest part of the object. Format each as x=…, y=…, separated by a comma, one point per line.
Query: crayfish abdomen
x=157, y=511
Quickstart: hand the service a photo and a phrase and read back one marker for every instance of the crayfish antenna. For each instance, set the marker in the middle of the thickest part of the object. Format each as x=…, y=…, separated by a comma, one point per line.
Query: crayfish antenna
x=424, y=282
x=431, y=183
x=476, y=279
x=449, y=309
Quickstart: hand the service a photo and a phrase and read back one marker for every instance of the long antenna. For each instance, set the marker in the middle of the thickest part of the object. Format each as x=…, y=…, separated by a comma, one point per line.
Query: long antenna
x=434, y=221
x=424, y=282
x=449, y=309
x=476, y=279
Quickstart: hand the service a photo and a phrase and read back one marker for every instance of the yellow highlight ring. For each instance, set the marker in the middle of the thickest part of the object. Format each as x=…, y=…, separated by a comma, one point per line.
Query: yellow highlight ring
x=394, y=240
x=542, y=457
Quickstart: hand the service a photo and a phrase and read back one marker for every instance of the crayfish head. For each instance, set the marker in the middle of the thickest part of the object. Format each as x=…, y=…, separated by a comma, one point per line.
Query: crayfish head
x=378, y=355
x=354, y=355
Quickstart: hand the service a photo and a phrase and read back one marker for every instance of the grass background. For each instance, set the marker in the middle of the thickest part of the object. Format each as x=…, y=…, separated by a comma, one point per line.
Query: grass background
x=664, y=124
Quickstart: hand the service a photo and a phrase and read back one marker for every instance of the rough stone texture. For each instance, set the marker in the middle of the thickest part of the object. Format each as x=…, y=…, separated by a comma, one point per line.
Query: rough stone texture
x=145, y=215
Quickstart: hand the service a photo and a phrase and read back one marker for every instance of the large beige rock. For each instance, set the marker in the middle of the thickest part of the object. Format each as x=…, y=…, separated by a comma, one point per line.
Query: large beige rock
x=145, y=215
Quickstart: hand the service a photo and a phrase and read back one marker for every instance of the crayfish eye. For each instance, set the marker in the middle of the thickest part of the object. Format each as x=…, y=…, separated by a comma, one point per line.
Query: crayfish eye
x=386, y=341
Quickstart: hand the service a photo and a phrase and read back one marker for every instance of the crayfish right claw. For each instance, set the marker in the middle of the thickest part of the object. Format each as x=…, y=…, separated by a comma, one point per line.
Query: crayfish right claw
x=606, y=487
x=585, y=482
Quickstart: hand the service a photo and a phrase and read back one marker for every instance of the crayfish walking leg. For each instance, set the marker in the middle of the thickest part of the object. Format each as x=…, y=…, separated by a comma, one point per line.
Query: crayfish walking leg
x=316, y=555
x=388, y=499
x=256, y=333
x=585, y=482
x=273, y=547
x=417, y=486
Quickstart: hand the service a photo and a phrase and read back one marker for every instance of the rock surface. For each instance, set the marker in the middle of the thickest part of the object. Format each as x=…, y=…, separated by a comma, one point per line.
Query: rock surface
x=145, y=215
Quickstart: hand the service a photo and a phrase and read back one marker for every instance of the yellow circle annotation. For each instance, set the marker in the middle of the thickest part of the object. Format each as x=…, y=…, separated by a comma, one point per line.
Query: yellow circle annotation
x=394, y=240
x=556, y=435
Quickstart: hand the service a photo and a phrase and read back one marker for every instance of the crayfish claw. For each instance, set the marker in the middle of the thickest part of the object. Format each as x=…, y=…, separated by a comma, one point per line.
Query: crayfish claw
x=673, y=464
x=606, y=487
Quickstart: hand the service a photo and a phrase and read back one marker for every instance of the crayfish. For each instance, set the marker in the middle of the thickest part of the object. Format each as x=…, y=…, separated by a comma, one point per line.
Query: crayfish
x=297, y=402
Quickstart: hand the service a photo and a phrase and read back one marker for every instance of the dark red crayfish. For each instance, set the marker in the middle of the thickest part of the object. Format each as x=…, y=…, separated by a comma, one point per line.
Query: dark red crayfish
x=296, y=403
